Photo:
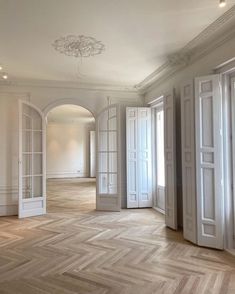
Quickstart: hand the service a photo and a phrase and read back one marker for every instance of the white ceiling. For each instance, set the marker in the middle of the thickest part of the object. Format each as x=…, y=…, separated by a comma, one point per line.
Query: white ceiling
x=138, y=35
x=70, y=114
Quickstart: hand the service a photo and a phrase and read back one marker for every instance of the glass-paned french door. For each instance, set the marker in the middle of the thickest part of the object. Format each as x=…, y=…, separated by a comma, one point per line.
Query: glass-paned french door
x=108, y=159
x=32, y=187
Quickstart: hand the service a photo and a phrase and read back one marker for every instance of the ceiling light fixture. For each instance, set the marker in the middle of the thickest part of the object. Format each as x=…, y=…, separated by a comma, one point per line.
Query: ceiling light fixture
x=222, y=3
x=1, y=67
x=78, y=46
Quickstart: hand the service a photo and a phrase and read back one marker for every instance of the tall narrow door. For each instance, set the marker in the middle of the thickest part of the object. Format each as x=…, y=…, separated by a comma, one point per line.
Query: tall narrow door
x=209, y=161
x=108, y=193
x=188, y=161
x=159, y=157
x=170, y=161
x=32, y=175
x=144, y=157
x=139, y=170
x=92, y=155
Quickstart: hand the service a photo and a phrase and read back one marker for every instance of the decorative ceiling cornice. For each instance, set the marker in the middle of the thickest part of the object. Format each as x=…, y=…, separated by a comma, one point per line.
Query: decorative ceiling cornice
x=69, y=85
x=215, y=35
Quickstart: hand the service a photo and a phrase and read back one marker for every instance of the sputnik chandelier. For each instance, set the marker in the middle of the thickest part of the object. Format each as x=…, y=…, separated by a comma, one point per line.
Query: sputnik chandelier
x=78, y=46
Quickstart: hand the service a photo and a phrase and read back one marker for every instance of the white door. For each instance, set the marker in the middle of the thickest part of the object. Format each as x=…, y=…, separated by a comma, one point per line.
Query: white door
x=144, y=157
x=159, y=158
x=209, y=161
x=139, y=171
x=32, y=175
x=108, y=192
x=188, y=161
x=132, y=155
x=170, y=161
x=92, y=154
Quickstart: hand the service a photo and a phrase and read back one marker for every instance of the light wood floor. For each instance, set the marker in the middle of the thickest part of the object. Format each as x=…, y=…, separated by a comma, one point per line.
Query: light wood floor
x=75, y=249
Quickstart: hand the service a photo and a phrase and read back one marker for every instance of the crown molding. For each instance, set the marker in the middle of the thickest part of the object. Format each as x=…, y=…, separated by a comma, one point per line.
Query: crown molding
x=215, y=35
x=69, y=85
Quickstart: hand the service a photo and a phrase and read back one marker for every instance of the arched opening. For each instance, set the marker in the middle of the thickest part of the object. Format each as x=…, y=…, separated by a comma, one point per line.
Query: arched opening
x=70, y=160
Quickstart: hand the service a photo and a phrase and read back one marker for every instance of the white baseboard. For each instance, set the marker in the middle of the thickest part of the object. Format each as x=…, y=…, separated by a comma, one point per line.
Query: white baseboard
x=7, y=210
x=159, y=210
x=63, y=175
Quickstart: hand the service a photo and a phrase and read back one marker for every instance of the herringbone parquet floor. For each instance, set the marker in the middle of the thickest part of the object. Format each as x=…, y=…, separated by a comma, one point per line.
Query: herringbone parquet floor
x=75, y=249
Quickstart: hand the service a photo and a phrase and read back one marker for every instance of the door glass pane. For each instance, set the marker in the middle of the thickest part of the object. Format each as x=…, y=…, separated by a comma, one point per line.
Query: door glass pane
x=103, y=125
x=27, y=122
x=113, y=141
x=31, y=118
x=112, y=111
x=27, y=141
x=37, y=187
x=37, y=141
x=113, y=162
x=27, y=188
x=103, y=166
x=103, y=183
x=113, y=184
x=37, y=164
x=27, y=164
x=103, y=141
x=160, y=148
x=113, y=124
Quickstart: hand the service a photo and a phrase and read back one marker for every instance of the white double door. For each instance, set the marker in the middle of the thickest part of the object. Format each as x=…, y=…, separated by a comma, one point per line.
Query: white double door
x=139, y=168
x=32, y=160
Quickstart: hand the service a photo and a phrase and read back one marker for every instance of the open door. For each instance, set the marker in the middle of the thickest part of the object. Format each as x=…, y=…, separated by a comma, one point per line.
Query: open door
x=32, y=175
x=209, y=161
x=170, y=161
x=188, y=161
x=108, y=192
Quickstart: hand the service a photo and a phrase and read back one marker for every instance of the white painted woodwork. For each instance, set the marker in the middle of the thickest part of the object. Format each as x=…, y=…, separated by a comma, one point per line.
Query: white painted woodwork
x=188, y=161
x=209, y=164
x=144, y=157
x=158, y=157
x=32, y=167
x=92, y=155
x=132, y=157
x=108, y=193
x=139, y=170
x=231, y=207
x=170, y=161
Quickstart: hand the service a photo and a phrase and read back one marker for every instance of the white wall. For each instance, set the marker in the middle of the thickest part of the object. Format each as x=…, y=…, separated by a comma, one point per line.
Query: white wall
x=44, y=96
x=68, y=149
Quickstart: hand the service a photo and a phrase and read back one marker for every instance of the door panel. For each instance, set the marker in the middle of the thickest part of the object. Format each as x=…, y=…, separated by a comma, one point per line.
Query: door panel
x=132, y=155
x=108, y=195
x=170, y=161
x=144, y=157
x=32, y=175
x=208, y=108
x=188, y=161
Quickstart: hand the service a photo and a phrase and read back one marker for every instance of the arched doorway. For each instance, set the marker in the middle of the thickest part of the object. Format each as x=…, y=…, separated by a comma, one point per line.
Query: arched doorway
x=70, y=160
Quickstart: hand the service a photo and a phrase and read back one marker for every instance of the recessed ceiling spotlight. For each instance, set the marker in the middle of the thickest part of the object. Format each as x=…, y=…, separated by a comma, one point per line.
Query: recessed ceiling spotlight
x=1, y=67
x=5, y=76
x=222, y=3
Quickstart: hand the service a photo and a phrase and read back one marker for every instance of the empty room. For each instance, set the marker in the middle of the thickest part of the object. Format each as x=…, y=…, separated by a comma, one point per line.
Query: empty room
x=117, y=146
